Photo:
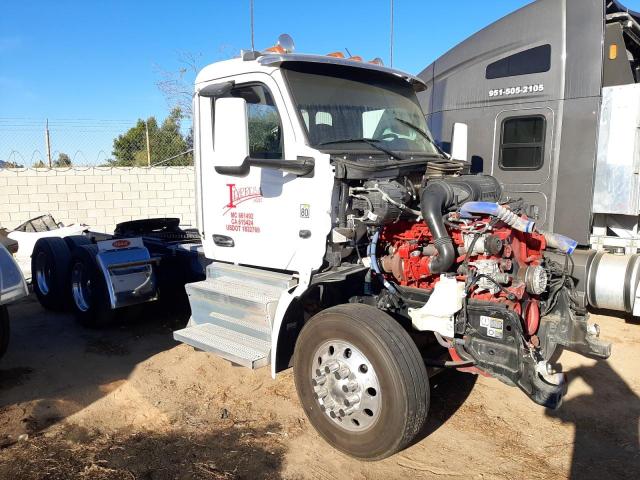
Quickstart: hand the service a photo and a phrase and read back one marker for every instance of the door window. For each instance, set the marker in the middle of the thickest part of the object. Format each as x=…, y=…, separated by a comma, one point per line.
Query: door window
x=264, y=124
x=522, y=143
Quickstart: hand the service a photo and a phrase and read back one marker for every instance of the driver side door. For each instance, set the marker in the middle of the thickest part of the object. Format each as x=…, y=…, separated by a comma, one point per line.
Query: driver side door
x=266, y=218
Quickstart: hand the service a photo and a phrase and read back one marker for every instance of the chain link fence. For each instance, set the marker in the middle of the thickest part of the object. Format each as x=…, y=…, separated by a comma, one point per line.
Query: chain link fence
x=76, y=142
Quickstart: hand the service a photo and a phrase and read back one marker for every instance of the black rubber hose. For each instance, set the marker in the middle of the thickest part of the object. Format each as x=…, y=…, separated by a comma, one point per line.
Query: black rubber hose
x=435, y=198
x=448, y=364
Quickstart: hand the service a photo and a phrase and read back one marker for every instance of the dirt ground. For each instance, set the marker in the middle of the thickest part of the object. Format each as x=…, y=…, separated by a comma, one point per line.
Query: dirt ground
x=130, y=403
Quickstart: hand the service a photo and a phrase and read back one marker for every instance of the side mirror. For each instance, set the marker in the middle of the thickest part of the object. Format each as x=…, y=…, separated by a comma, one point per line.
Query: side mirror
x=231, y=133
x=459, y=141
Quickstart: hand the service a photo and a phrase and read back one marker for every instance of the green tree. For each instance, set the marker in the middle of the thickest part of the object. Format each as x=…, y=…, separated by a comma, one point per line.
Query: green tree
x=63, y=160
x=166, y=142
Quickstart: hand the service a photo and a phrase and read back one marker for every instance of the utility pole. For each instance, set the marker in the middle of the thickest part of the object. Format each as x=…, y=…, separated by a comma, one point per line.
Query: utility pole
x=251, y=15
x=391, y=39
x=146, y=131
x=47, y=140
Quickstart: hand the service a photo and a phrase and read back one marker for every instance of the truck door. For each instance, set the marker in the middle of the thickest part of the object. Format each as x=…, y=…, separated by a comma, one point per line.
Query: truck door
x=267, y=218
x=522, y=157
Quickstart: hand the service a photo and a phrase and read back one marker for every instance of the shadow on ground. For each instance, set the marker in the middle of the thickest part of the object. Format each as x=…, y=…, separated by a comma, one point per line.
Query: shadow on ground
x=76, y=453
x=606, y=421
x=55, y=367
x=449, y=390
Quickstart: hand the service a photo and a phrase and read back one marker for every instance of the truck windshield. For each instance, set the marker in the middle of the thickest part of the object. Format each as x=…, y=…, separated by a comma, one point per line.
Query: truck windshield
x=340, y=105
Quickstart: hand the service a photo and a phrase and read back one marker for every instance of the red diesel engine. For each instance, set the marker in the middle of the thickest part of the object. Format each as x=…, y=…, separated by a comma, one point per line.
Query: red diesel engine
x=508, y=262
x=473, y=272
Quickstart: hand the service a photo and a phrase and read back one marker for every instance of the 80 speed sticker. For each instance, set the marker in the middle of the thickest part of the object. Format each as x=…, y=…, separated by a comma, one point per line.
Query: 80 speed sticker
x=521, y=90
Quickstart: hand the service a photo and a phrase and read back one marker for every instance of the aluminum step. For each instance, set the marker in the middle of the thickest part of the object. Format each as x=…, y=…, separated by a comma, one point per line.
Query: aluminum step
x=250, y=275
x=246, y=303
x=245, y=350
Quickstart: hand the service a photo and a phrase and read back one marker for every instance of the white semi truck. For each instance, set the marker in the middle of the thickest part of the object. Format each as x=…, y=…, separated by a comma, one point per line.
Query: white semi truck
x=334, y=237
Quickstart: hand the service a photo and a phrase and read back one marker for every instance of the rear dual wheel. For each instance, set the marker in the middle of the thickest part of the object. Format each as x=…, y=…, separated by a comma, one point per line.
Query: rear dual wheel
x=361, y=381
x=49, y=272
x=66, y=276
x=89, y=295
x=50, y=264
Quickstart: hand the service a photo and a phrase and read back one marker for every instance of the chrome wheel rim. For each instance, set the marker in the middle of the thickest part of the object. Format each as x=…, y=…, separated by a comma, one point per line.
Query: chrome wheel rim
x=346, y=386
x=80, y=287
x=43, y=273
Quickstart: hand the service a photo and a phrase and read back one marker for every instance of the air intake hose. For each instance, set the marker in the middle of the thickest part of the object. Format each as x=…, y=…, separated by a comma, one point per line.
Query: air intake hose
x=440, y=195
x=435, y=198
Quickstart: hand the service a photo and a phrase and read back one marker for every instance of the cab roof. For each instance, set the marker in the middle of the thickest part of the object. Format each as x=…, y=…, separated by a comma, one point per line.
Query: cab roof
x=258, y=62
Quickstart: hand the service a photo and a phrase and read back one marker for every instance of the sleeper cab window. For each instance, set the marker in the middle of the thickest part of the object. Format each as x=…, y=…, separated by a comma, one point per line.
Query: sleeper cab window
x=522, y=143
x=534, y=60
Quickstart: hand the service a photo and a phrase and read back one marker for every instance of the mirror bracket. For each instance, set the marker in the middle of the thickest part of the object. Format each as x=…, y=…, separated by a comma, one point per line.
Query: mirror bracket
x=301, y=166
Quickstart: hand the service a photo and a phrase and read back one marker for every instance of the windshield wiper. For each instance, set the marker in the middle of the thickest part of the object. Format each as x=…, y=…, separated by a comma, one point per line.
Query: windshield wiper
x=423, y=134
x=371, y=141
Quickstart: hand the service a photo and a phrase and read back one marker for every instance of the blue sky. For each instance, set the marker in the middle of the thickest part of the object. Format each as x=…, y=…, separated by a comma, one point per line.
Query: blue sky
x=92, y=66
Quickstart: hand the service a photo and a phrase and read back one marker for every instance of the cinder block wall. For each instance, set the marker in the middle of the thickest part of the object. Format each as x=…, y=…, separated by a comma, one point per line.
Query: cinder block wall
x=100, y=197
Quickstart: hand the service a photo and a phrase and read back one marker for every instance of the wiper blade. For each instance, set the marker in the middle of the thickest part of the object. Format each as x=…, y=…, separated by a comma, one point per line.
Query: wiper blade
x=423, y=134
x=371, y=141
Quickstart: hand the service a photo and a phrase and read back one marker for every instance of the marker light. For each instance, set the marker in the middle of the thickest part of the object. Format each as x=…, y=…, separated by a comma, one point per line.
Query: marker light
x=336, y=54
x=355, y=58
x=613, y=51
x=377, y=61
x=284, y=45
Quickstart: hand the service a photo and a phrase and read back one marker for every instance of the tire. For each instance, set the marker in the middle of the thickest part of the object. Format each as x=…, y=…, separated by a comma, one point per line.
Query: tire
x=88, y=289
x=4, y=330
x=74, y=241
x=50, y=263
x=394, y=388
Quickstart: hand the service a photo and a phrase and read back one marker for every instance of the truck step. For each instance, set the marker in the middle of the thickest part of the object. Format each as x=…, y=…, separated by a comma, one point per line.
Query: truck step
x=250, y=276
x=245, y=303
x=226, y=343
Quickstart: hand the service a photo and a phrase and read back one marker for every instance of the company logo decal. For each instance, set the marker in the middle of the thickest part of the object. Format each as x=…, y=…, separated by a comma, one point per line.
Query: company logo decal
x=238, y=195
x=241, y=222
x=121, y=244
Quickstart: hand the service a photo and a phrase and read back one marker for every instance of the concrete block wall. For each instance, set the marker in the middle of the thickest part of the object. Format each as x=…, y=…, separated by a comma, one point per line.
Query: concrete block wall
x=100, y=197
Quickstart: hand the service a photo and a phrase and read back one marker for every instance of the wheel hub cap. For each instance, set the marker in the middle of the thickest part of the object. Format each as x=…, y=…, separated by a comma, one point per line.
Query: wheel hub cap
x=42, y=273
x=346, y=386
x=80, y=287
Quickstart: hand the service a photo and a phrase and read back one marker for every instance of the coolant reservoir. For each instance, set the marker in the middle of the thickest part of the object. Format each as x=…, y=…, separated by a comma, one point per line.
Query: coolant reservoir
x=12, y=284
x=437, y=315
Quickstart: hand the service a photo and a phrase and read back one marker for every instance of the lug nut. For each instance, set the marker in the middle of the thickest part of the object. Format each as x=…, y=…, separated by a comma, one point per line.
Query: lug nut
x=343, y=412
x=331, y=367
x=333, y=414
x=351, y=400
x=321, y=392
x=350, y=387
x=343, y=373
x=319, y=380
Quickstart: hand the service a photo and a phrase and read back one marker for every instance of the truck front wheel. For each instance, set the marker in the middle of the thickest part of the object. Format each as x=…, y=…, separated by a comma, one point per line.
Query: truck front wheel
x=361, y=380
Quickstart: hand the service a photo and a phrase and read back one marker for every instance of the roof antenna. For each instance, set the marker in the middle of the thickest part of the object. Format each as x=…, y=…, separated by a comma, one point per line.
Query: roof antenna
x=251, y=13
x=348, y=52
x=391, y=38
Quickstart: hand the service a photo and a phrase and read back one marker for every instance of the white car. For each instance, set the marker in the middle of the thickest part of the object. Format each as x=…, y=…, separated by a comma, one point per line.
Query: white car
x=12, y=288
x=32, y=230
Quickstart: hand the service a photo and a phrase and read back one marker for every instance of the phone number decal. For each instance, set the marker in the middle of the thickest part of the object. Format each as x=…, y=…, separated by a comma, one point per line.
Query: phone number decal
x=521, y=90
